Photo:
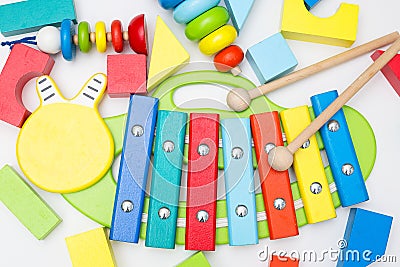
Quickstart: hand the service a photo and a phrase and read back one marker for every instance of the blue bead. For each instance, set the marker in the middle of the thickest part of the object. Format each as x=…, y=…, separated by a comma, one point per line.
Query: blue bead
x=169, y=4
x=191, y=9
x=68, y=49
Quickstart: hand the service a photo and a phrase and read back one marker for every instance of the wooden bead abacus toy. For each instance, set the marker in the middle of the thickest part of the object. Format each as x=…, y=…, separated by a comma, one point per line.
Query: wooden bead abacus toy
x=48, y=38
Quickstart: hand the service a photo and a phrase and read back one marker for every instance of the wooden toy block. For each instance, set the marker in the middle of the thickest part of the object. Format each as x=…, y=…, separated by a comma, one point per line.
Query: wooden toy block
x=163, y=63
x=127, y=74
x=29, y=208
x=196, y=260
x=166, y=179
x=202, y=181
x=279, y=261
x=23, y=64
x=311, y=178
x=341, y=153
x=91, y=248
x=271, y=58
x=391, y=71
x=133, y=171
x=311, y=3
x=65, y=146
x=33, y=15
x=239, y=182
x=299, y=24
x=275, y=186
x=239, y=11
x=365, y=239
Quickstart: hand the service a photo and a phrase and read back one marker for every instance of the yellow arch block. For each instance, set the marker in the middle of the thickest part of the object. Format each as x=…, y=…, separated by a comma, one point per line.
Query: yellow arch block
x=299, y=24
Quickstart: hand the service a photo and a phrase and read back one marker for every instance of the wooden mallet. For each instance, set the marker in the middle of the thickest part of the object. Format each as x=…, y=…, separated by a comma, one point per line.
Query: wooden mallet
x=281, y=158
x=239, y=99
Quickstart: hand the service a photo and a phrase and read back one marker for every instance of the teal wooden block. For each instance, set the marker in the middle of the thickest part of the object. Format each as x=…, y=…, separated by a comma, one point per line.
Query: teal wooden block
x=29, y=208
x=34, y=14
x=166, y=179
x=239, y=11
x=271, y=58
x=310, y=3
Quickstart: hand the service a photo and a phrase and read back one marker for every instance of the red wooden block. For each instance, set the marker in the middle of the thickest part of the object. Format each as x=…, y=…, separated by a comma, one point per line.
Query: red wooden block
x=23, y=64
x=275, y=185
x=278, y=261
x=202, y=181
x=391, y=71
x=127, y=74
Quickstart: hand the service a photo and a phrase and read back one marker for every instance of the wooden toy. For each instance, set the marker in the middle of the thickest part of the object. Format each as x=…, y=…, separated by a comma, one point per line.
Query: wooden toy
x=311, y=3
x=23, y=64
x=81, y=136
x=188, y=10
x=239, y=182
x=281, y=158
x=169, y=4
x=340, y=151
x=48, y=38
x=202, y=181
x=308, y=166
x=166, y=179
x=196, y=260
x=299, y=24
x=369, y=247
x=34, y=14
x=227, y=59
x=271, y=58
x=280, y=261
x=391, y=71
x=276, y=191
x=239, y=11
x=218, y=40
x=163, y=63
x=91, y=248
x=133, y=171
x=127, y=74
x=29, y=208
x=239, y=99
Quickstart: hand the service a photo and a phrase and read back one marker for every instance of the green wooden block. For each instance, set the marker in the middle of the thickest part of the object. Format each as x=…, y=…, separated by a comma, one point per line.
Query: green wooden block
x=26, y=204
x=196, y=260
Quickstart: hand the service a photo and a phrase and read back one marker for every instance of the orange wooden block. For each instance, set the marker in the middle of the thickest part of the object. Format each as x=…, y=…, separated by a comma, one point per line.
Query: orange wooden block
x=23, y=64
x=127, y=75
x=278, y=261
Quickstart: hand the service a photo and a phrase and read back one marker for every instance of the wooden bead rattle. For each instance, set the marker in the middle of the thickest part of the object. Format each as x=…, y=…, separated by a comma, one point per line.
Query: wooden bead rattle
x=239, y=99
x=281, y=158
x=49, y=41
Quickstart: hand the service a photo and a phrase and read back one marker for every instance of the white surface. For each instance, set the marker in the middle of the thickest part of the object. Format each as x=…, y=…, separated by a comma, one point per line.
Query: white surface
x=377, y=102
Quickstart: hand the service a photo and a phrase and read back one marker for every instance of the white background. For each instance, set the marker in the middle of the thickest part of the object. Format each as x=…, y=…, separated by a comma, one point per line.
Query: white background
x=378, y=102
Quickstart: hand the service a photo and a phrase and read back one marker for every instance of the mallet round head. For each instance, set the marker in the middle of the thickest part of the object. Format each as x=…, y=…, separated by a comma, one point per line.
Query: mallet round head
x=238, y=99
x=280, y=158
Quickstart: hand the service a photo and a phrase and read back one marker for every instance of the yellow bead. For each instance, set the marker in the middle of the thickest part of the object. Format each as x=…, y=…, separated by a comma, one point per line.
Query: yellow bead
x=218, y=40
x=101, y=37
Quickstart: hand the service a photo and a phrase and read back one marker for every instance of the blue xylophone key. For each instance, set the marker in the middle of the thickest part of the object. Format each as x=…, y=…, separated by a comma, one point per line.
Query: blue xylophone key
x=239, y=182
x=166, y=179
x=133, y=171
x=341, y=153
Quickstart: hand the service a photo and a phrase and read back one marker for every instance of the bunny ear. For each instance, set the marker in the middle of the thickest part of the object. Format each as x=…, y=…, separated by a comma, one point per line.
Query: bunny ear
x=48, y=91
x=92, y=92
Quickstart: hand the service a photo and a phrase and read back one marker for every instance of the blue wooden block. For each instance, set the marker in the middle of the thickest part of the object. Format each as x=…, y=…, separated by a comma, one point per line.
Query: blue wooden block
x=133, y=171
x=34, y=14
x=271, y=58
x=366, y=238
x=190, y=9
x=166, y=179
x=239, y=182
x=239, y=11
x=169, y=4
x=341, y=153
x=310, y=3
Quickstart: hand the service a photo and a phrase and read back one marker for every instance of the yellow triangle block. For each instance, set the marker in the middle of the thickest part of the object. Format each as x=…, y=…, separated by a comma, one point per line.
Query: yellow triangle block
x=167, y=56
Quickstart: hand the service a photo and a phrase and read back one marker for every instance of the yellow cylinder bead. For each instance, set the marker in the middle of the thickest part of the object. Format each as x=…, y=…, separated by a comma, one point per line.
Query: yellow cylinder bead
x=101, y=37
x=218, y=40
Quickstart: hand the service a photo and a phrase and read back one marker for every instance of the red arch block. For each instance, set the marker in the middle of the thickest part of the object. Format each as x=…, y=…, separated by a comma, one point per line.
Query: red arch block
x=391, y=71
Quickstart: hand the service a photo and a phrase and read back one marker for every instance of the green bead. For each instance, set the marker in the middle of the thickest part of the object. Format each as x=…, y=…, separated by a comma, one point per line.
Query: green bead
x=83, y=37
x=206, y=23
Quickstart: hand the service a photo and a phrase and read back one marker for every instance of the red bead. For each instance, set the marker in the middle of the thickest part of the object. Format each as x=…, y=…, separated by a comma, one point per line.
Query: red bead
x=228, y=58
x=137, y=35
x=116, y=33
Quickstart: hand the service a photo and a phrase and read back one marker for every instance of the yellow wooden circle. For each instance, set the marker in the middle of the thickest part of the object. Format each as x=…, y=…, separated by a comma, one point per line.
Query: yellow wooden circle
x=101, y=37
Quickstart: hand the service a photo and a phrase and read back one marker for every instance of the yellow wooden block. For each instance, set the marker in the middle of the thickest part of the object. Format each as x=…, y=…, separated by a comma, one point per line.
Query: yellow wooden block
x=91, y=249
x=313, y=185
x=299, y=24
x=167, y=55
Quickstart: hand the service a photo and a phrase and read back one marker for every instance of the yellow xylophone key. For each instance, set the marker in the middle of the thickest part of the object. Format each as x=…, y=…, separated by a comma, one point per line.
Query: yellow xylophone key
x=314, y=188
